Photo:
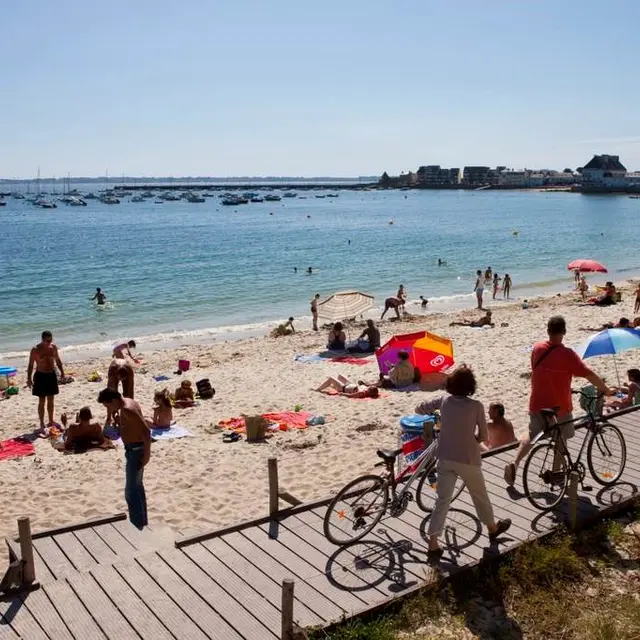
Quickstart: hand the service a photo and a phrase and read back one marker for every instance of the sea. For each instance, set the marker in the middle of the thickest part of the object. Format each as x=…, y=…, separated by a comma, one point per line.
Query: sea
x=179, y=273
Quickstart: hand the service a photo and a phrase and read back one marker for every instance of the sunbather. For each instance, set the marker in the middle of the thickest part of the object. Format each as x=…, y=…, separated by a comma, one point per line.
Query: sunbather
x=162, y=411
x=82, y=433
x=632, y=390
x=623, y=323
x=344, y=387
x=500, y=429
x=485, y=321
x=337, y=338
x=184, y=397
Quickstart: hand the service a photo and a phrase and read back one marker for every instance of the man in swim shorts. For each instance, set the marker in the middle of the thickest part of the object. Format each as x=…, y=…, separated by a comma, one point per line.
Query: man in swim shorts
x=314, y=311
x=44, y=382
x=392, y=303
x=99, y=297
x=479, y=288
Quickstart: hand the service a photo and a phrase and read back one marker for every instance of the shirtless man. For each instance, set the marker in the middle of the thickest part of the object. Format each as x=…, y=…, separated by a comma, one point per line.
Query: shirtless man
x=99, y=297
x=314, y=311
x=44, y=383
x=485, y=321
x=120, y=371
x=136, y=437
x=124, y=349
x=392, y=303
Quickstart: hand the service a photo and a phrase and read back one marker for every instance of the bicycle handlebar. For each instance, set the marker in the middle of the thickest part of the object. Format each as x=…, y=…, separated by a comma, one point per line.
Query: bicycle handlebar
x=580, y=392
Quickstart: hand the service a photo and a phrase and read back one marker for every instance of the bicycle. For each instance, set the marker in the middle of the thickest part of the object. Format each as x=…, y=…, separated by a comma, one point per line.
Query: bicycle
x=365, y=505
x=546, y=472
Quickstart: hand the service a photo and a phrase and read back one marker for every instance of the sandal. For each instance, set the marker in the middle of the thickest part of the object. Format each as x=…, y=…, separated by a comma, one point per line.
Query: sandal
x=502, y=526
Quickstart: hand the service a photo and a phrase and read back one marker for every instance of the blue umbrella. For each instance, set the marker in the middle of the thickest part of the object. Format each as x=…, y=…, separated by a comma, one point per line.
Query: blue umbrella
x=609, y=342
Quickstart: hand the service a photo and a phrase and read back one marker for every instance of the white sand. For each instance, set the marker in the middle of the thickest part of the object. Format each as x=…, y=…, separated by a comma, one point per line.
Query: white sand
x=200, y=483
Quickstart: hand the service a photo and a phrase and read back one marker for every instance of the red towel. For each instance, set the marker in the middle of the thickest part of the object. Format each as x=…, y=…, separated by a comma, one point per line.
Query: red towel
x=15, y=449
x=286, y=420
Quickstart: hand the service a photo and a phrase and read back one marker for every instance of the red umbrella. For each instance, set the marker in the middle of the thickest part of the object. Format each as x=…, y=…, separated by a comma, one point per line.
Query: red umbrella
x=428, y=352
x=586, y=266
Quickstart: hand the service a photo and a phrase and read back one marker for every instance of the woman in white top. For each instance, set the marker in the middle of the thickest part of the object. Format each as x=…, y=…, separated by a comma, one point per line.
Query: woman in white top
x=459, y=454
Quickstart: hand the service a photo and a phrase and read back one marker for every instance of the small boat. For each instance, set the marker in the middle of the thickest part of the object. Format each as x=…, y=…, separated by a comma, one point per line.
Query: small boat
x=109, y=199
x=256, y=199
x=272, y=198
x=333, y=195
x=195, y=198
x=249, y=195
x=158, y=201
x=75, y=201
x=3, y=203
x=147, y=194
x=234, y=200
x=206, y=194
x=634, y=197
x=137, y=199
x=167, y=195
x=17, y=196
x=46, y=204
x=290, y=194
x=320, y=196
x=90, y=196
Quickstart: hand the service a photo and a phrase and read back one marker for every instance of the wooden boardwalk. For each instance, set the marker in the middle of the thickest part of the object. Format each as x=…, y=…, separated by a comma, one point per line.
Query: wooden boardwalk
x=106, y=579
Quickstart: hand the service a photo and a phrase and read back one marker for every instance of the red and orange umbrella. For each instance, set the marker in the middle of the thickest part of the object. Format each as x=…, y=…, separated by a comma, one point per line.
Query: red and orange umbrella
x=428, y=352
x=587, y=266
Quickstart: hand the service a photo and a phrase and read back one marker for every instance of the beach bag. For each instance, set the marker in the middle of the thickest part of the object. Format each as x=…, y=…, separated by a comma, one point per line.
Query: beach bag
x=256, y=427
x=205, y=390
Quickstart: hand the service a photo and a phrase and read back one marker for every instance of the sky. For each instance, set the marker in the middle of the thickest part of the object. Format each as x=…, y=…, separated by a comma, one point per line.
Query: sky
x=349, y=88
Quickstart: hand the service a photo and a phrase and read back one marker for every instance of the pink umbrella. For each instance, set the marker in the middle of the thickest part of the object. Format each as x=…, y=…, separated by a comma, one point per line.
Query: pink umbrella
x=586, y=266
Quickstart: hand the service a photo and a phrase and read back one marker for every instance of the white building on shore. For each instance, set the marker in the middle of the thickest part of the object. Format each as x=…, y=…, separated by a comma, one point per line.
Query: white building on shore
x=606, y=174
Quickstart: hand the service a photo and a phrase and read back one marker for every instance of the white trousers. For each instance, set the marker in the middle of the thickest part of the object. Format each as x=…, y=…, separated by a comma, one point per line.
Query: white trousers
x=448, y=473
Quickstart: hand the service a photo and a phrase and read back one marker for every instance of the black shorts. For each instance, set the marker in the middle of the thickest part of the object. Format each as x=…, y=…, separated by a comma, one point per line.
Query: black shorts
x=45, y=384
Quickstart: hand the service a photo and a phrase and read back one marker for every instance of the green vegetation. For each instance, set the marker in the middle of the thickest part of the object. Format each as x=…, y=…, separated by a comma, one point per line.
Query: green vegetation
x=569, y=587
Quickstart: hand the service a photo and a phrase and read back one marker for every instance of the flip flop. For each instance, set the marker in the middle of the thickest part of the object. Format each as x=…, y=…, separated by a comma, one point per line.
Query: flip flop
x=231, y=437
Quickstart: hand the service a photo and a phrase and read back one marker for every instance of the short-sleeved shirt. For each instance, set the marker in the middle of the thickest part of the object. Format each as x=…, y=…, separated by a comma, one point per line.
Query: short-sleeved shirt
x=402, y=374
x=551, y=379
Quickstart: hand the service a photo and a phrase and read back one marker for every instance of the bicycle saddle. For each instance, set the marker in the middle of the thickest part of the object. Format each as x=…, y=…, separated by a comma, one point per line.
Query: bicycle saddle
x=550, y=412
x=389, y=455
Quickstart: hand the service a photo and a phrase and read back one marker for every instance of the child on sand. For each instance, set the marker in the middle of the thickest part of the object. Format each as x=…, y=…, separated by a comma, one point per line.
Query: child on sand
x=499, y=428
x=184, y=397
x=632, y=390
x=162, y=411
x=82, y=433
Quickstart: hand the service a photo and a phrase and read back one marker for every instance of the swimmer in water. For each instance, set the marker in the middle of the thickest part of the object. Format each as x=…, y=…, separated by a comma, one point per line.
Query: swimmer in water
x=100, y=297
x=309, y=270
x=441, y=262
x=348, y=242
x=295, y=269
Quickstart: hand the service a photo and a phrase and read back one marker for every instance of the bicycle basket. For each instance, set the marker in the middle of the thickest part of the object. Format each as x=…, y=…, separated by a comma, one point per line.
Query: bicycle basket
x=589, y=401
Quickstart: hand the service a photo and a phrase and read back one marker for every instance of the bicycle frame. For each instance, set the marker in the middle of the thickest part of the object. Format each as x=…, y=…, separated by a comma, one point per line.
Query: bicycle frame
x=414, y=470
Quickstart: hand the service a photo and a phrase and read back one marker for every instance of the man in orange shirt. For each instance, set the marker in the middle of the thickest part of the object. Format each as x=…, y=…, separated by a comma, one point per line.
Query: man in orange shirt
x=553, y=367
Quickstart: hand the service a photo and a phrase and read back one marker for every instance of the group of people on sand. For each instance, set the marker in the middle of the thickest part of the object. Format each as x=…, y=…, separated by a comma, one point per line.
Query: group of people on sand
x=368, y=341
x=491, y=280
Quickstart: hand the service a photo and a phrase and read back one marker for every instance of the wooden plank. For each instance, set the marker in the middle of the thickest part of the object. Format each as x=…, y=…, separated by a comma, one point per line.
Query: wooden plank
x=42, y=572
x=6, y=632
x=235, y=586
x=187, y=598
x=163, y=607
x=81, y=559
x=259, y=580
x=130, y=605
x=91, y=522
x=325, y=608
x=241, y=619
x=115, y=541
x=45, y=613
x=58, y=564
x=14, y=612
x=102, y=610
x=144, y=541
x=96, y=546
x=72, y=611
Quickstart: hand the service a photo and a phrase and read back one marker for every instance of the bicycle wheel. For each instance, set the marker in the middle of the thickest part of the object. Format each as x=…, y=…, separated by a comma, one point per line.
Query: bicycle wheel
x=356, y=510
x=606, y=454
x=545, y=483
x=427, y=490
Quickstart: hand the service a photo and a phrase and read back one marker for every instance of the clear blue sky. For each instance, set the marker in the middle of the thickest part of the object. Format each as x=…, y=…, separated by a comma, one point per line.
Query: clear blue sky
x=248, y=87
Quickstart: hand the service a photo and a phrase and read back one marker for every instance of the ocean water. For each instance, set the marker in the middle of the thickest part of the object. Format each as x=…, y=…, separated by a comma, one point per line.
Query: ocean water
x=180, y=272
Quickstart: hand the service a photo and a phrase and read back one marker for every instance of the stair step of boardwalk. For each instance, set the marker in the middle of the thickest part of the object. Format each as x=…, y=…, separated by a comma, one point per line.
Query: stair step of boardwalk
x=106, y=579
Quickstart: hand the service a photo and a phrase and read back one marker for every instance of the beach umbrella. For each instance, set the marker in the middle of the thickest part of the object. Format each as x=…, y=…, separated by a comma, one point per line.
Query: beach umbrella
x=344, y=304
x=428, y=352
x=586, y=266
x=609, y=342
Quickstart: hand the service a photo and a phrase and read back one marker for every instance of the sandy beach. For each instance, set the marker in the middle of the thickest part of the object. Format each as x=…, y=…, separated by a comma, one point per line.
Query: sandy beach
x=199, y=483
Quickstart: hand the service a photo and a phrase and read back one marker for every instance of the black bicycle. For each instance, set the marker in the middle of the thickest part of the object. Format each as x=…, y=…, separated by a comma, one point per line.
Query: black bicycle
x=546, y=472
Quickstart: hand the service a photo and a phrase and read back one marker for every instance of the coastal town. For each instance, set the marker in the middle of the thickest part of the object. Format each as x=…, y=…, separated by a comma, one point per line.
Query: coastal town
x=602, y=174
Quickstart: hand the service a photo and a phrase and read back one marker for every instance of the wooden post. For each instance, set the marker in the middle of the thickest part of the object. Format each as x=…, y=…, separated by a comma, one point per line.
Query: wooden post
x=287, y=610
x=26, y=550
x=273, y=486
x=573, y=499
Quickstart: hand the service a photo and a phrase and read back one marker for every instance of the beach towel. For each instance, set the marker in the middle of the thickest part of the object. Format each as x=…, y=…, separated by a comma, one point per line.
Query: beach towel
x=282, y=421
x=308, y=359
x=15, y=448
x=350, y=360
x=173, y=432
x=333, y=392
x=340, y=357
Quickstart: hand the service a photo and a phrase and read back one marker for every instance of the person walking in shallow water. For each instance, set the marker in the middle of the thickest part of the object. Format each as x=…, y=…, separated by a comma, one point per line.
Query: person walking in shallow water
x=479, y=288
x=506, y=286
x=44, y=383
x=99, y=297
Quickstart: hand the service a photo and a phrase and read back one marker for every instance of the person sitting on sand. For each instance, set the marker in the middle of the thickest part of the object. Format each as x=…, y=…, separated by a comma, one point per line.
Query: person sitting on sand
x=372, y=342
x=608, y=297
x=162, y=411
x=337, y=338
x=500, y=429
x=184, y=397
x=632, y=390
x=82, y=433
x=401, y=375
x=392, y=303
x=485, y=321
x=120, y=351
x=344, y=387
x=623, y=323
